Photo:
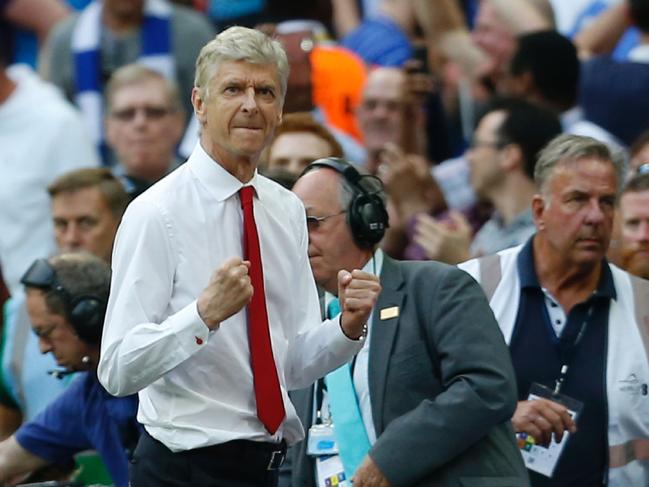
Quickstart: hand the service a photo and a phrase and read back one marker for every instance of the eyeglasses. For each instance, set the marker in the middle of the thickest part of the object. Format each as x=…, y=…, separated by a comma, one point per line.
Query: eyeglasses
x=313, y=222
x=151, y=112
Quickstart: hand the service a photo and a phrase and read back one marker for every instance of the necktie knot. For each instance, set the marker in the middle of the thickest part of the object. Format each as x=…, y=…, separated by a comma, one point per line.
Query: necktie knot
x=245, y=194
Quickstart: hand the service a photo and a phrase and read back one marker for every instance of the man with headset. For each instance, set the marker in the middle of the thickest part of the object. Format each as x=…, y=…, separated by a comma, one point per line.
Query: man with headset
x=66, y=302
x=427, y=400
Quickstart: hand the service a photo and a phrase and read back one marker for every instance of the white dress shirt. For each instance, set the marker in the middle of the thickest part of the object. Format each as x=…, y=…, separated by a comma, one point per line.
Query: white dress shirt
x=196, y=386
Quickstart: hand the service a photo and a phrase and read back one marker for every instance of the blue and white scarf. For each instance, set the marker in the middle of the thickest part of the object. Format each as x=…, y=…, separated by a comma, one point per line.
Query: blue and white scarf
x=156, y=54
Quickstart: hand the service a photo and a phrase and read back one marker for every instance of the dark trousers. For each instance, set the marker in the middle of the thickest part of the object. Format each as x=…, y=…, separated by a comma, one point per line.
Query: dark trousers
x=239, y=463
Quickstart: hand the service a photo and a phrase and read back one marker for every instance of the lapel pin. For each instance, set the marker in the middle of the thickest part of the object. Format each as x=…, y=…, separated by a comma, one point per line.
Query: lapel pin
x=388, y=313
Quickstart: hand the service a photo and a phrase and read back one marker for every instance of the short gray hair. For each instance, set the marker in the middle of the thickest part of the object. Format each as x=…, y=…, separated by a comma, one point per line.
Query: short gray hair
x=80, y=274
x=567, y=148
x=239, y=44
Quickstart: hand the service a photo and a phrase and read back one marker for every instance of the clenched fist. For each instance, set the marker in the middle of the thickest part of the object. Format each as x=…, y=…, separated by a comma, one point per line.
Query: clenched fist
x=357, y=292
x=228, y=292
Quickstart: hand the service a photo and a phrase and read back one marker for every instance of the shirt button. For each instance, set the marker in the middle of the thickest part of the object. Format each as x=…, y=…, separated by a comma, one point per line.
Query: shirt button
x=199, y=341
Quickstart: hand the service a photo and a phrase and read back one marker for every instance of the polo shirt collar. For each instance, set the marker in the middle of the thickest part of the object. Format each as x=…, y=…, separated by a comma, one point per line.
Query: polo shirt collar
x=529, y=279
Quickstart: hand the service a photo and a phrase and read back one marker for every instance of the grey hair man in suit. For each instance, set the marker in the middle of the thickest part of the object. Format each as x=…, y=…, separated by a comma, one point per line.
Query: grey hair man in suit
x=433, y=384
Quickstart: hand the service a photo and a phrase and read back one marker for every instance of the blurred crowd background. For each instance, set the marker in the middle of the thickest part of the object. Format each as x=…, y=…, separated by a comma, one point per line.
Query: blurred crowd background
x=447, y=102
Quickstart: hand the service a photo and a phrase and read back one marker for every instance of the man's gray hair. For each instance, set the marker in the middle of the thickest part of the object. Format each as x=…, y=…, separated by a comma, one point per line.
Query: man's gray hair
x=80, y=274
x=568, y=148
x=239, y=44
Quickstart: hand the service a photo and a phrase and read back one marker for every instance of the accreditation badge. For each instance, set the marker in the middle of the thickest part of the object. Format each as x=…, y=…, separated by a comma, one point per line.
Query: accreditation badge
x=330, y=472
x=539, y=458
x=321, y=440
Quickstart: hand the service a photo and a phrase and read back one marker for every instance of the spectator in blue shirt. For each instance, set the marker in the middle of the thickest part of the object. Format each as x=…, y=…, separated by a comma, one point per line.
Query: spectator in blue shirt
x=66, y=302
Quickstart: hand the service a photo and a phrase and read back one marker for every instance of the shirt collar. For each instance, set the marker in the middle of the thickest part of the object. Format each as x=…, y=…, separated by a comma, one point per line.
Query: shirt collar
x=571, y=117
x=529, y=279
x=523, y=219
x=639, y=54
x=218, y=182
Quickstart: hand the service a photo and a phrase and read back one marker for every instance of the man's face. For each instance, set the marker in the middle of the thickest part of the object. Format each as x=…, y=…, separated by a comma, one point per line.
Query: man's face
x=293, y=151
x=634, y=214
x=492, y=36
x=126, y=9
x=575, y=212
x=54, y=333
x=143, y=128
x=380, y=113
x=242, y=109
x=485, y=154
x=331, y=245
x=83, y=221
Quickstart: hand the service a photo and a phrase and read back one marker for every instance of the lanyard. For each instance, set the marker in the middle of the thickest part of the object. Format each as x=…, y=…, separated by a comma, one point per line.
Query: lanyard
x=568, y=352
x=318, y=399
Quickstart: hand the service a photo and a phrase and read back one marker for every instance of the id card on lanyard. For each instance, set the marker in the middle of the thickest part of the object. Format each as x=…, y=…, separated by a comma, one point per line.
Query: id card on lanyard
x=539, y=458
x=543, y=459
x=321, y=444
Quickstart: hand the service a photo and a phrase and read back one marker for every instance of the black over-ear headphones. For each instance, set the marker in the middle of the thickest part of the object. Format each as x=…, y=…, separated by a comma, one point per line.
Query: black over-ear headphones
x=85, y=312
x=366, y=215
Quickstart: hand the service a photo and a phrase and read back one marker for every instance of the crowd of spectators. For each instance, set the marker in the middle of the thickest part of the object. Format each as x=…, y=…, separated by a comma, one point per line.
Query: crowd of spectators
x=448, y=103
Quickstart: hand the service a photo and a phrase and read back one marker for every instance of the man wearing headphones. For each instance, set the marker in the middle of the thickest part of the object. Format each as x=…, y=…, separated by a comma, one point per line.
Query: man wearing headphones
x=427, y=400
x=66, y=302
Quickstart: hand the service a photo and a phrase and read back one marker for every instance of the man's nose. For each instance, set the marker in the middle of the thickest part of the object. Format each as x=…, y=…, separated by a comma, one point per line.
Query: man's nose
x=44, y=345
x=595, y=214
x=643, y=231
x=140, y=117
x=71, y=235
x=250, y=100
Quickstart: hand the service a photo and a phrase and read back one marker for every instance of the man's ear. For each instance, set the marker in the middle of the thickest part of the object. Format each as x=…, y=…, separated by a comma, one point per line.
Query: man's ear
x=199, y=105
x=539, y=206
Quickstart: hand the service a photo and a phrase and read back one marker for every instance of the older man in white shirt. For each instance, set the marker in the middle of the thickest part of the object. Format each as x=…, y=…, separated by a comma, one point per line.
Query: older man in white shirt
x=213, y=379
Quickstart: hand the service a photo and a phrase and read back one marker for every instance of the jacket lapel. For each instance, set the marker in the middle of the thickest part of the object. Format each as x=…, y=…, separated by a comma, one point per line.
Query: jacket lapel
x=383, y=335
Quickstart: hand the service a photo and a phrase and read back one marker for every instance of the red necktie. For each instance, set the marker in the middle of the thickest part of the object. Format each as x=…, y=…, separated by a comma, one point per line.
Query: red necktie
x=270, y=407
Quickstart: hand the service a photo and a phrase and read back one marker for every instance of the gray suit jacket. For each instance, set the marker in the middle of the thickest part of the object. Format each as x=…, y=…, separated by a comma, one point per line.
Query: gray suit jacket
x=441, y=385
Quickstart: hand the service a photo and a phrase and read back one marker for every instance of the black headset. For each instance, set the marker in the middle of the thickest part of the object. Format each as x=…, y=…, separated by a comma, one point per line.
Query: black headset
x=85, y=312
x=366, y=214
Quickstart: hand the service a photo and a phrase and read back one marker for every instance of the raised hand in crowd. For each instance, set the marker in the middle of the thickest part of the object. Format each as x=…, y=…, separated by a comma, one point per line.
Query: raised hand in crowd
x=411, y=190
x=446, y=240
